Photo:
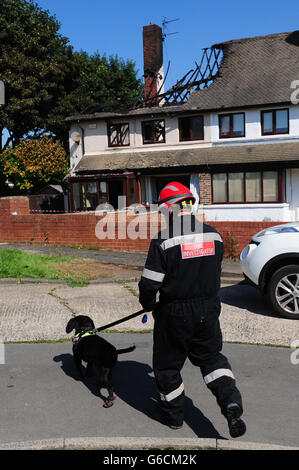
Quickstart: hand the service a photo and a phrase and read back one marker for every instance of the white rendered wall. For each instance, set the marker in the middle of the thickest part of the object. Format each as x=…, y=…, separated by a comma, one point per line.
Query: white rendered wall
x=96, y=140
x=253, y=133
x=95, y=137
x=279, y=212
x=75, y=148
x=292, y=192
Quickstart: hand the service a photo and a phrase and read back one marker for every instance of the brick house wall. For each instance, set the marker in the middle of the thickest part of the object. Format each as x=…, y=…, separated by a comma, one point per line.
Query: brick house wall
x=205, y=188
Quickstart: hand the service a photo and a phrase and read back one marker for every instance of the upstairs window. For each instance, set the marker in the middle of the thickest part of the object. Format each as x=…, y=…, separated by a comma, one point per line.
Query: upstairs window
x=275, y=122
x=231, y=125
x=153, y=132
x=191, y=128
x=118, y=135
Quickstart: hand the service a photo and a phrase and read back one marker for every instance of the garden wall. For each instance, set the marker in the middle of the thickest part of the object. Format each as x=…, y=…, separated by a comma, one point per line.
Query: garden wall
x=131, y=233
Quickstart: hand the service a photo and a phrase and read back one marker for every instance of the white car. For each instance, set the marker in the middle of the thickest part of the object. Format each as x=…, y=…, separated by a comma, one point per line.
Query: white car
x=271, y=263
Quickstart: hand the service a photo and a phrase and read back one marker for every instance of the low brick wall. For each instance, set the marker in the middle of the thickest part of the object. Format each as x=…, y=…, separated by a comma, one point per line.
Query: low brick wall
x=19, y=205
x=84, y=229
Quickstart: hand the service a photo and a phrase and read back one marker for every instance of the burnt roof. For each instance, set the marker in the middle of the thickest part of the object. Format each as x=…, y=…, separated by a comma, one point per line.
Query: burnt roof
x=256, y=71
x=196, y=157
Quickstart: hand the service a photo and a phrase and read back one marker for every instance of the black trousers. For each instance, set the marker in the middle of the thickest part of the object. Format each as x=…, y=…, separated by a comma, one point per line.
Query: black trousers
x=191, y=330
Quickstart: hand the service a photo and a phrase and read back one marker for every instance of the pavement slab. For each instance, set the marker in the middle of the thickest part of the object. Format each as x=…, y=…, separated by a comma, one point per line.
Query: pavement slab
x=105, y=303
x=30, y=312
x=248, y=317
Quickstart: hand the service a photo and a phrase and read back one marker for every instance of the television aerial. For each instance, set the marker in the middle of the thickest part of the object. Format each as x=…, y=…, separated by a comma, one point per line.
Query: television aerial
x=165, y=23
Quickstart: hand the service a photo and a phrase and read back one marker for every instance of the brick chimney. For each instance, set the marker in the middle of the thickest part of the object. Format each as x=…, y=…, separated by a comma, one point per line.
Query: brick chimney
x=153, y=59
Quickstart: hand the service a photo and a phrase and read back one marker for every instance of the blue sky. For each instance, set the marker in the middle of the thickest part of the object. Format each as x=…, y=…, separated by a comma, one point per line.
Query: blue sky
x=116, y=27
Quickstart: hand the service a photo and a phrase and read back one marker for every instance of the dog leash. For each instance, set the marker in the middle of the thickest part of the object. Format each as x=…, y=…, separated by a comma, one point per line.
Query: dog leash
x=133, y=315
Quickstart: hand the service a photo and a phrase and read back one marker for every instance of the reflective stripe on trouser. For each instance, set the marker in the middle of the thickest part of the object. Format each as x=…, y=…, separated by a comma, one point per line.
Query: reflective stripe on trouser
x=221, y=382
x=171, y=404
x=172, y=395
x=216, y=374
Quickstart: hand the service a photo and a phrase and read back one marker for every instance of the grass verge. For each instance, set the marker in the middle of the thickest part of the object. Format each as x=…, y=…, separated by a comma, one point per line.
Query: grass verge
x=67, y=340
x=18, y=264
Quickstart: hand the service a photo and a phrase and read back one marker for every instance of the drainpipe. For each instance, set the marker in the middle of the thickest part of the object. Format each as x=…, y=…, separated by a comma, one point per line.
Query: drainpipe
x=83, y=145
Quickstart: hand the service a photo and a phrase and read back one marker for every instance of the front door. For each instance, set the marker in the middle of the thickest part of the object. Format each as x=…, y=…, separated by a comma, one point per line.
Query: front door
x=116, y=189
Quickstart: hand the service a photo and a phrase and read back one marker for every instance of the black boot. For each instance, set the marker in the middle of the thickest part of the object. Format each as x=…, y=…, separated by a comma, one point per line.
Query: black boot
x=236, y=425
x=160, y=415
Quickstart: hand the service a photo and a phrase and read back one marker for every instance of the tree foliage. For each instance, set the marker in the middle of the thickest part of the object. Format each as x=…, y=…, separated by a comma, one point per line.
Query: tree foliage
x=34, y=163
x=45, y=80
x=34, y=66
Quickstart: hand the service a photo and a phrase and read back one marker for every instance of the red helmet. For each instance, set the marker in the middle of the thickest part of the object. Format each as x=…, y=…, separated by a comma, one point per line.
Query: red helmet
x=173, y=193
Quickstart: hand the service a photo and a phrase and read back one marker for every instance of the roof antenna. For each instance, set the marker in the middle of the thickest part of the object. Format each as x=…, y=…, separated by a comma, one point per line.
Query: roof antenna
x=164, y=27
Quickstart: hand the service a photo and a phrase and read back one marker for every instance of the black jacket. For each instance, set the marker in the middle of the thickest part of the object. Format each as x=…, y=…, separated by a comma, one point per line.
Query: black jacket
x=183, y=263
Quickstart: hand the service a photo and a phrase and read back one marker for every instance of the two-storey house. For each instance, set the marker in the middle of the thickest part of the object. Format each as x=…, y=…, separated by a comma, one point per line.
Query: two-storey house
x=234, y=140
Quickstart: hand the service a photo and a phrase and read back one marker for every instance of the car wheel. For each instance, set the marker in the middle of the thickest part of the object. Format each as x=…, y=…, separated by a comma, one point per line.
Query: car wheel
x=283, y=291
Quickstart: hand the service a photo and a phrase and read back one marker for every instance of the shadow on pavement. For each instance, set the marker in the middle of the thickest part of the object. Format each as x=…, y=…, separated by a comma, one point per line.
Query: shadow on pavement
x=247, y=297
x=136, y=387
x=69, y=369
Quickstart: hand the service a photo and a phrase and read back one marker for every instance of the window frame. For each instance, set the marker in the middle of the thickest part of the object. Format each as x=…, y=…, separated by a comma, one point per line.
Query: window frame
x=146, y=142
x=273, y=111
x=230, y=136
x=84, y=182
x=107, y=179
x=280, y=182
x=181, y=139
x=118, y=125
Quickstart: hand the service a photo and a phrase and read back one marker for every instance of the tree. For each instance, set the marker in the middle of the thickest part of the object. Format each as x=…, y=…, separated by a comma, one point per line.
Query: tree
x=34, y=65
x=45, y=80
x=34, y=163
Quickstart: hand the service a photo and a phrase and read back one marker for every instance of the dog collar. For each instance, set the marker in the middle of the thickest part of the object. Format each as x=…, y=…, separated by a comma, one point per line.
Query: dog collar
x=83, y=334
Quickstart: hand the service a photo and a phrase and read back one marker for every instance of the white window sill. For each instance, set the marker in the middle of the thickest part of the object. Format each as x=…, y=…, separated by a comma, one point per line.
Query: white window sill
x=247, y=206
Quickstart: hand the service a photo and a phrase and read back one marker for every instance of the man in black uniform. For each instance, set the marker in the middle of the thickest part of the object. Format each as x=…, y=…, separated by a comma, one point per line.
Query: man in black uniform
x=184, y=266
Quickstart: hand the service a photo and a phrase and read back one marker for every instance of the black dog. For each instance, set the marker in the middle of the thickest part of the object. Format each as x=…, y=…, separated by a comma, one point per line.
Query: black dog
x=91, y=348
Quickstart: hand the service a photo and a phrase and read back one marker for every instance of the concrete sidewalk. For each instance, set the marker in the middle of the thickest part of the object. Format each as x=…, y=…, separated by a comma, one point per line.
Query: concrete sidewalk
x=39, y=311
